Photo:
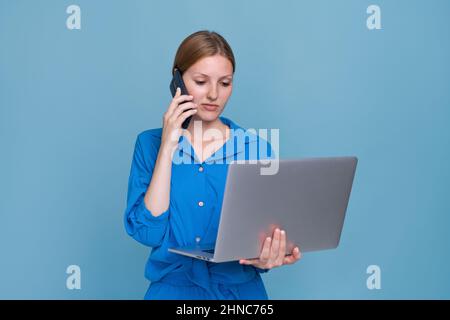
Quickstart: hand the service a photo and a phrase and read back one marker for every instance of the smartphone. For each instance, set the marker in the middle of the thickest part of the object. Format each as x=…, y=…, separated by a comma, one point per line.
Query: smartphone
x=177, y=81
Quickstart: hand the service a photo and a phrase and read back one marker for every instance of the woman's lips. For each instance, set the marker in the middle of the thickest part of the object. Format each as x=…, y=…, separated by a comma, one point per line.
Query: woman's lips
x=210, y=107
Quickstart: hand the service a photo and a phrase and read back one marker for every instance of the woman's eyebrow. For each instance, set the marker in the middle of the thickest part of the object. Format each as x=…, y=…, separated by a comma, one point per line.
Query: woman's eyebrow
x=208, y=76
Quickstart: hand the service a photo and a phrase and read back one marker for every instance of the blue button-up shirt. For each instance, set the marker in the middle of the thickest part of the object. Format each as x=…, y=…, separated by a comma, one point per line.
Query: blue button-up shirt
x=196, y=194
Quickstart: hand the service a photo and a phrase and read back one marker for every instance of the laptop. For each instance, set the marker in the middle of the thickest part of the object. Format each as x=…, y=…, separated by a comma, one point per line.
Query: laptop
x=307, y=198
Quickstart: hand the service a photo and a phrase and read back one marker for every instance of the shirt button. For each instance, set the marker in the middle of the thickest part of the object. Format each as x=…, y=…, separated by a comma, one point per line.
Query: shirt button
x=197, y=239
x=201, y=203
x=200, y=169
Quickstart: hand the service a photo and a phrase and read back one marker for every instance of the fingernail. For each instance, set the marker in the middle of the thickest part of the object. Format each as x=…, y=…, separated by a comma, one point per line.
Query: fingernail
x=282, y=232
x=268, y=238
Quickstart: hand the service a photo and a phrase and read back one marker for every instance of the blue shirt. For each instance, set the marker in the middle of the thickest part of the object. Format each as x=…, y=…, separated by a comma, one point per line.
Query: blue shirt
x=196, y=194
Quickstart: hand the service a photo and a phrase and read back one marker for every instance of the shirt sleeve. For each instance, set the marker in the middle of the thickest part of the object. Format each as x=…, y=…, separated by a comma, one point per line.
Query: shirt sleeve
x=140, y=223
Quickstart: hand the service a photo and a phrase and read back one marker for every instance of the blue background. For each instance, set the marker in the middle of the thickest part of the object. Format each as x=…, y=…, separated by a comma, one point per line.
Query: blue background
x=73, y=101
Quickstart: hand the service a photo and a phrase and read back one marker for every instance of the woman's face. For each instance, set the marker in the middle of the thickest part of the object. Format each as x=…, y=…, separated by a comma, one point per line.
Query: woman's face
x=209, y=81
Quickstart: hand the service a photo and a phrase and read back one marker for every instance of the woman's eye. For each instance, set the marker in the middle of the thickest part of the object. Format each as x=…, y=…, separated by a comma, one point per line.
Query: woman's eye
x=225, y=84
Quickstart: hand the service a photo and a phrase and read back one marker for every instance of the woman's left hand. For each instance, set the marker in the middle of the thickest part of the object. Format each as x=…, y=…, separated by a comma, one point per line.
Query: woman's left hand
x=273, y=253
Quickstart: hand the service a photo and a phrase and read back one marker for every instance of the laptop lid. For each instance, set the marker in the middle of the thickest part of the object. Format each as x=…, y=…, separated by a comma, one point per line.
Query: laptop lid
x=307, y=198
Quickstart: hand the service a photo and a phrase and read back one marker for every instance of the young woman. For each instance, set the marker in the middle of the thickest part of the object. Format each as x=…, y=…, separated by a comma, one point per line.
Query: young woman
x=171, y=205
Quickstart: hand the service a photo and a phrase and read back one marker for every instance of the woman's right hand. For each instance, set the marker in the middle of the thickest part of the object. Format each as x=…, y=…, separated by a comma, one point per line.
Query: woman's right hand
x=174, y=118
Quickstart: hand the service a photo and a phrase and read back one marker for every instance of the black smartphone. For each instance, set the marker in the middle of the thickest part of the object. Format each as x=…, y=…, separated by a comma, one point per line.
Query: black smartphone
x=177, y=81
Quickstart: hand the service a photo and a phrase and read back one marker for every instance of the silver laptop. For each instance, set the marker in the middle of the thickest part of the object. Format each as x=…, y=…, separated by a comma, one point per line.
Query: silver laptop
x=307, y=198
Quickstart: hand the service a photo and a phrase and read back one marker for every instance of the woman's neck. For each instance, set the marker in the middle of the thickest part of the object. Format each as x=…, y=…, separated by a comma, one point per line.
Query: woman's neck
x=217, y=125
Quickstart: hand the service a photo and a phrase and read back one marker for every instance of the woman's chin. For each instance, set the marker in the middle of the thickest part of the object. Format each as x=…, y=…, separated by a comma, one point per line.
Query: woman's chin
x=206, y=116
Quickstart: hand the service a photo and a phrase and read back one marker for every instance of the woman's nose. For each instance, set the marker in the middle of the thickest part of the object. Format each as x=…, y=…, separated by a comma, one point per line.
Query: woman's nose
x=212, y=93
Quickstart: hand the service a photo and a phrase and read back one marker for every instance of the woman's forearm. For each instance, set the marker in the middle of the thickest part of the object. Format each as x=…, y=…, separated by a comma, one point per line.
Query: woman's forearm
x=157, y=197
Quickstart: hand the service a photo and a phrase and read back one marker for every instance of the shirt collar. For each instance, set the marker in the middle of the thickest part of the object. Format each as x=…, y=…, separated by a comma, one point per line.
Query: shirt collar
x=235, y=145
